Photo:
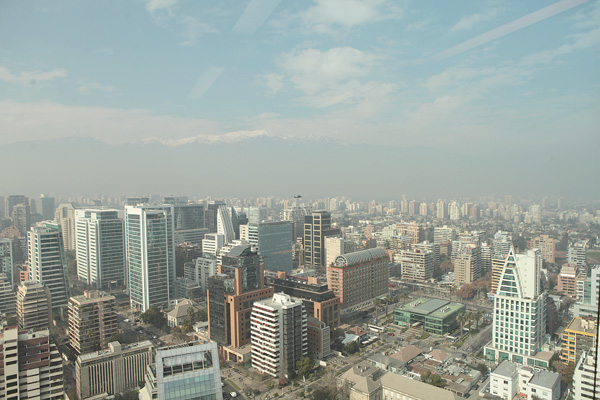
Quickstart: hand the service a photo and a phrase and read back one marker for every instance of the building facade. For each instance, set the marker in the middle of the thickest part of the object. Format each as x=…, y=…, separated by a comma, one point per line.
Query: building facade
x=92, y=321
x=415, y=265
x=279, y=335
x=33, y=306
x=359, y=277
x=6, y=260
x=317, y=226
x=115, y=370
x=100, y=248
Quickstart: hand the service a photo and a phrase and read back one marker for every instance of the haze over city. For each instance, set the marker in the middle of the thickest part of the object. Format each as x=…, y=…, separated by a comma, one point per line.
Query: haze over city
x=430, y=98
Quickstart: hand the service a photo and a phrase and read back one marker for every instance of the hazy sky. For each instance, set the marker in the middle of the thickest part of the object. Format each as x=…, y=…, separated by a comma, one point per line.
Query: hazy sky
x=480, y=76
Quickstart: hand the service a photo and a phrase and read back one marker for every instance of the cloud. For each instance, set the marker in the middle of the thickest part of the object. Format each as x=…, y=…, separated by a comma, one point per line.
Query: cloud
x=229, y=137
x=254, y=16
x=511, y=27
x=274, y=82
x=327, y=15
x=471, y=21
x=160, y=5
x=50, y=120
x=30, y=77
x=193, y=30
x=85, y=88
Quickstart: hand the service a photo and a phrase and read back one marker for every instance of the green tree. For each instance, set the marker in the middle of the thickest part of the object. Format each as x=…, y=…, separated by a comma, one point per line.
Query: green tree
x=304, y=366
x=351, y=348
x=202, y=315
x=155, y=317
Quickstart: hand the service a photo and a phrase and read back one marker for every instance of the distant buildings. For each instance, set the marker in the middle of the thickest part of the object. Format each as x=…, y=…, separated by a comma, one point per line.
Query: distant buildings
x=100, y=248
x=547, y=245
x=567, y=280
x=92, y=321
x=359, y=277
x=6, y=260
x=279, y=335
x=577, y=253
x=415, y=265
x=467, y=265
x=114, y=370
x=150, y=255
x=65, y=217
x=31, y=366
x=185, y=371
x=296, y=216
x=47, y=262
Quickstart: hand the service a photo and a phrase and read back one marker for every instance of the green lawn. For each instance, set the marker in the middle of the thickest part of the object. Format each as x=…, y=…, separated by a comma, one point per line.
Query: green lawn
x=594, y=255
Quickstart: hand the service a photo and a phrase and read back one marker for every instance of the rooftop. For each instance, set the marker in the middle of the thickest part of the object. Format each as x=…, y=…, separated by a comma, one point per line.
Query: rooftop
x=582, y=326
x=359, y=257
x=506, y=369
x=415, y=389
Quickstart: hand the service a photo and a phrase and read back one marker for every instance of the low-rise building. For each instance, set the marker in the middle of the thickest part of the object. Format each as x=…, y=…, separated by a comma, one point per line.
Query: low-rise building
x=178, y=315
x=395, y=387
x=319, y=338
x=114, y=370
x=435, y=315
x=510, y=379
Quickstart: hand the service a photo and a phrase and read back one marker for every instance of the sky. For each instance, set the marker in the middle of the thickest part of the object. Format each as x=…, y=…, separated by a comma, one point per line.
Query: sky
x=465, y=77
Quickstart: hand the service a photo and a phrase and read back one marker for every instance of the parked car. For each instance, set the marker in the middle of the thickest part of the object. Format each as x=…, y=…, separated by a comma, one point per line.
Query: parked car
x=391, y=334
x=233, y=394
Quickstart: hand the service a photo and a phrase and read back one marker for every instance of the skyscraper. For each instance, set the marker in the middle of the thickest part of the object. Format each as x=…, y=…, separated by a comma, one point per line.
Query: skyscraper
x=13, y=200
x=34, y=306
x=274, y=241
x=317, y=226
x=210, y=215
x=21, y=216
x=224, y=224
x=519, y=325
x=100, y=248
x=44, y=205
x=47, y=263
x=150, y=255
x=6, y=260
x=279, y=335
x=296, y=215
x=65, y=217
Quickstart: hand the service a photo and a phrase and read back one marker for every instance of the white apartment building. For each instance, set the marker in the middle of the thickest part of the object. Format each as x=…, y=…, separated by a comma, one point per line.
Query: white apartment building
x=279, y=335
x=519, y=327
x=212, y=243
x=510, y=379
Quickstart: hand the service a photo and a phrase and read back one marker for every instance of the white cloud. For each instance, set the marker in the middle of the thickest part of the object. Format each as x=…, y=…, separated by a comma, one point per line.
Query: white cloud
x=274, y=82
x=30, y=77
x=471, y=21
x=327, y=15
x=85, y=88
x=193, y=30
x=159, y=5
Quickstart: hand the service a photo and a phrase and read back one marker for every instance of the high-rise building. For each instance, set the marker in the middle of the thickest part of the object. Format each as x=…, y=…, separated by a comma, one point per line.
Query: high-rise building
x=336, y=246
x=587, y=303
x=320, y=301
x=547, y=245
x=43, y=205
x=319, y=338
x=274, y=241
x=410, y=229
x=359, y=277
x=467, y=265
x=188, y=223
x=501, y=244
x=47, y=263
x=224, y=224
x=317, y=226
x=150, y=255
x=519, y=324
x=577, y=253
x=210, y=215
x=92, y=321
x=212, y=243
x=232, y=292
x=279, y=335
x=184, y=371
x=31, y=366
x=586, y=378
x=497, y=268
x=454, y=211
x=428, y=246
x=115, y=370
x=65, y=217
x=13, y=200
x=100, y=248
x=256, y=215
x=34, y=306
x=6, y=260
x=578, y=336
x=203, y=268
x=441, y=211
x=567, y=280
x=442, y=234
x=21, y=216
x=296, y=215
x=415, y=265
x=7, y=296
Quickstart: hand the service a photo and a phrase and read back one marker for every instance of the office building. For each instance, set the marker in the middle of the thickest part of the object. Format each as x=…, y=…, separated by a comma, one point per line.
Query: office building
x=212, y=243
x=336, y=246
x=6, y=260
x=150, y=255
x=587, y=303
x=184, y=371
x=577, y=253
x=231, y=293
x=317, y=226
x=210, y=215
x=92, y=321
x=7, y=296
x=415, y=265
x=65, y=217
x=429, y=246
x=547, y=245
x=100, y=248
x=274, y=241
x=279, y=335
x=467, y=265
x=203, y=268
x=188, y=216
x=115, y=370
x=519, y=323
x=224, y=224
x=11, y=201
x=31, y=366
x=47, y=263
x=578, y=336
x=256, y=215
x=43, y=205
x=435, y=315
x=21, y=217
x=296, y=215
x=510, y=379
x=497, y=269
x=33, y=306
x=320, y=301
x=359, y=277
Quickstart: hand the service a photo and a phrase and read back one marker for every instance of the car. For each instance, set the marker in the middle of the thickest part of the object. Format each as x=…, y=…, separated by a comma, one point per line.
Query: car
x=233, y=394
x=391, y=334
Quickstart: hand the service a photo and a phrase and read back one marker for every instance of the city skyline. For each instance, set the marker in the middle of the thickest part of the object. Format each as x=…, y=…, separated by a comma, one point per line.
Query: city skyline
x=485, y=95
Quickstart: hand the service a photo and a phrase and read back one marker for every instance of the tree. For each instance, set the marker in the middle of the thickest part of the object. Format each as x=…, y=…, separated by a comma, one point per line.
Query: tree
x=351, y=348
x=202, y=315
x=483, y=369
x=155, y=317
x=304, y=366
